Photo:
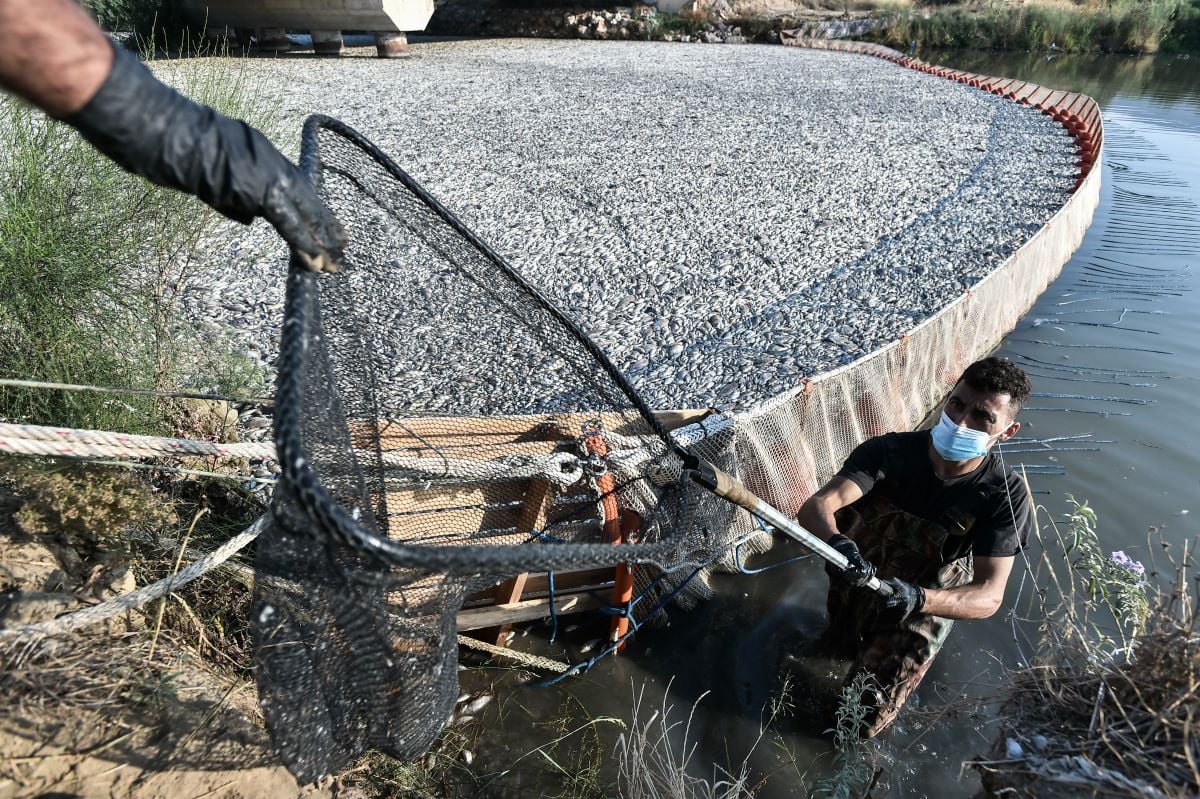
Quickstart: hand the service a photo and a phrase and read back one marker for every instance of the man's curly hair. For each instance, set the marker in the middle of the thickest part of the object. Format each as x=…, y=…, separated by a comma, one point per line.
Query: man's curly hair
x=999, y=376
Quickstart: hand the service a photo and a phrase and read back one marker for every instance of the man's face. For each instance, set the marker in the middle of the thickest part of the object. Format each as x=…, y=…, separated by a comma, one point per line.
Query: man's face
x=988, y=412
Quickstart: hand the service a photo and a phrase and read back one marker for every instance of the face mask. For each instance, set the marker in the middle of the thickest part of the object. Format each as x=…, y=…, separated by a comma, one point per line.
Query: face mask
x=955, y=443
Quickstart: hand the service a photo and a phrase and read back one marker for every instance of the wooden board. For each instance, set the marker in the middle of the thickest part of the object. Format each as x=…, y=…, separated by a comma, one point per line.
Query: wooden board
x=483, y=431
x=525, y=610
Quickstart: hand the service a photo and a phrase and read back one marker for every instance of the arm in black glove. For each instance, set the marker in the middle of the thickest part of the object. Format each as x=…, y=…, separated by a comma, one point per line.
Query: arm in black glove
x=153, y=131
x=905, y=600
x=857, y=572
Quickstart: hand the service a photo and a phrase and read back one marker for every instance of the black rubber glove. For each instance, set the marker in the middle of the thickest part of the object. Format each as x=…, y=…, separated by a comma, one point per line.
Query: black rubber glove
x=905, y=600
x=858, y=572
x=153, y=131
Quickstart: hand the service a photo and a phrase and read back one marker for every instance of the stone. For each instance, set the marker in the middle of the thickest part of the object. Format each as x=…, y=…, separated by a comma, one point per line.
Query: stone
x=32, y=607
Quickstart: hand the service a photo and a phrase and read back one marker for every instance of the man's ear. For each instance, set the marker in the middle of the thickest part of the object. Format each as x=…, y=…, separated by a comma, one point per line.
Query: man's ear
x=1010, y=432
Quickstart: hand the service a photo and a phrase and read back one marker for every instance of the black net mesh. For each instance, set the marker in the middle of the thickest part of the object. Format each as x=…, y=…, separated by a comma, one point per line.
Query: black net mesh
x=440, y=427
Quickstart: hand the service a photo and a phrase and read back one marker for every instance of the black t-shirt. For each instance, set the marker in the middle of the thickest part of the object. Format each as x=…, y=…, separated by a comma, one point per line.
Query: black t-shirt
x=990, y=502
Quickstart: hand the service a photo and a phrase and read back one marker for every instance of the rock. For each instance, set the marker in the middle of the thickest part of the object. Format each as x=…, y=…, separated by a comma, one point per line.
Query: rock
x=31, y=607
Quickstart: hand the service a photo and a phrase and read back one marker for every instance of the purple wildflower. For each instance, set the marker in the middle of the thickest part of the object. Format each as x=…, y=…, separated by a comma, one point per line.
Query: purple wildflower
x=1121, y=559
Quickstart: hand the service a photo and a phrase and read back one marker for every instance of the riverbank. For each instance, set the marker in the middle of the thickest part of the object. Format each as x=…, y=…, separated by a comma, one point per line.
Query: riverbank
x=1125, y=26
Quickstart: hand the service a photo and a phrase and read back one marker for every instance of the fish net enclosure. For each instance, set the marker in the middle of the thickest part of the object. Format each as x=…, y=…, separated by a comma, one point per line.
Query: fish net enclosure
x=442, y=427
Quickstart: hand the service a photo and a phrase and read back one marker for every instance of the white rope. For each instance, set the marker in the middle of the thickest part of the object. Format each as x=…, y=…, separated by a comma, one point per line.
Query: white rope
x=563, y=468
x=204, y=564
x=521, y=657
x=28, y=439
x=138, y=597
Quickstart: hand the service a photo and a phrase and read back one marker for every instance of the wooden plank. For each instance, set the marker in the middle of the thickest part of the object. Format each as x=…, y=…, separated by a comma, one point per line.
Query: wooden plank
x=500, y=429
x=435, y=449
x=539, y=584
x=526, y=610
x=419, y=513
x=538, y=497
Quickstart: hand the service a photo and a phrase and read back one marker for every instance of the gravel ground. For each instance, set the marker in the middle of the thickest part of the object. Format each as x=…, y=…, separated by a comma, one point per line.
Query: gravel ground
x=723, y=220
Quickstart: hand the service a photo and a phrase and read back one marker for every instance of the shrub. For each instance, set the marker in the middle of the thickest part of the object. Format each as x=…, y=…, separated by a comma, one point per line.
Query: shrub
x=1134, y=26
x=162, y=23
x=85, y=507
x=1105, y=714
x=93, y=262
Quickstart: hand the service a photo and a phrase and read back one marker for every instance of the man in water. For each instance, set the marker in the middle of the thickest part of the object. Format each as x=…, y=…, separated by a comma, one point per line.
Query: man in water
x=56, y=57
x=938, y=517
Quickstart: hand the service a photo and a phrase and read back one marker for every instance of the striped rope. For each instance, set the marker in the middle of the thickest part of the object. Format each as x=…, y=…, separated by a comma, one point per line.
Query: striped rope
x=9, y=382
x=27, y=439
x=534, y=661
x=564, y=468
x=135, y=599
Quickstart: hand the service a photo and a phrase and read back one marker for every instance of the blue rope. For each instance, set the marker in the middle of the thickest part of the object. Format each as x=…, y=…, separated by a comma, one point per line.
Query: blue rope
x=737, y=556
x=634, y=626
x=609, y=609
x=553, y=611
x=545, y=537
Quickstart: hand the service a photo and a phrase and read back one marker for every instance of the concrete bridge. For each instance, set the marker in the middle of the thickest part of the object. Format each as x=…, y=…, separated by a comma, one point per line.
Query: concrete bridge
x=388, y=20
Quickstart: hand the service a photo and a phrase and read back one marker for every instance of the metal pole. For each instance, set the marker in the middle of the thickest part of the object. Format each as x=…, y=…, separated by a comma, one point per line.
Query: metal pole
x=730, y=488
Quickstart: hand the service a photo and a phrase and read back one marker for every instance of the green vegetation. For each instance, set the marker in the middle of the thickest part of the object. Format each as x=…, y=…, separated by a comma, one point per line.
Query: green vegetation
x=1109, y=699
x=84, y=507
x=1119, y=26
x=854, y=756
x=93, y=263
x=163, y=22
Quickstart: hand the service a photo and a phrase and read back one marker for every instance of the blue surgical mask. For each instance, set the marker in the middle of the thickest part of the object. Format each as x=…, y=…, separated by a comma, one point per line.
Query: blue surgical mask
x=956, y=443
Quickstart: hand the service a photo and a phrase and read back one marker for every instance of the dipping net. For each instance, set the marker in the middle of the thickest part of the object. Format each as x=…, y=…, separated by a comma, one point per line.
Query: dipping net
x=441, y=427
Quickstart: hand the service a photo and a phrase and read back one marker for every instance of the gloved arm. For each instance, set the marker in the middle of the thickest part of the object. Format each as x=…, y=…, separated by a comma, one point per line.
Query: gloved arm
x=858, y=572
x=152, y=130
x=905, y=600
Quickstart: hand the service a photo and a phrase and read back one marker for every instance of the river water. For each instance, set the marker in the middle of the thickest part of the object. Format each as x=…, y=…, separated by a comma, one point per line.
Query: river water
x=1113, y=347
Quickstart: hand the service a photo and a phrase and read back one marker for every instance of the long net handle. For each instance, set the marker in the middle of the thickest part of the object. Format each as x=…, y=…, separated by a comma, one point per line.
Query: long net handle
x=729, y=488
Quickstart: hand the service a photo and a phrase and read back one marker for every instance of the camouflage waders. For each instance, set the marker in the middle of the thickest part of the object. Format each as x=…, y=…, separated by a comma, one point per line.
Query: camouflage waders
x=911, y=548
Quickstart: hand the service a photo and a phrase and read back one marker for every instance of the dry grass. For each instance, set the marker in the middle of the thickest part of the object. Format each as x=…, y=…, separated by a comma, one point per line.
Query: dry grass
x=655, y=755
x=1104, y=712
x=1126, y=723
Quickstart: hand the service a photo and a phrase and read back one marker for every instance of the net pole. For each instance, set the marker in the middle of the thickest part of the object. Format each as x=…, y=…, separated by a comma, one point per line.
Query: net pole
x=729, y=488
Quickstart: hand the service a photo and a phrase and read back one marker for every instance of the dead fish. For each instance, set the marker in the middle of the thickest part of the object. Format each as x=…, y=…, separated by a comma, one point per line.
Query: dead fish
x=479, y=704
x=463, y=720
x=462, y=698
x=468, y=757
x=590, y=645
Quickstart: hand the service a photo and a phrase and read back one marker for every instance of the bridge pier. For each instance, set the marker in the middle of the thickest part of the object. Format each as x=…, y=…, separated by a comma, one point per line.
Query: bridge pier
x=273, y=40
x=327, y=42
x=390, y=44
